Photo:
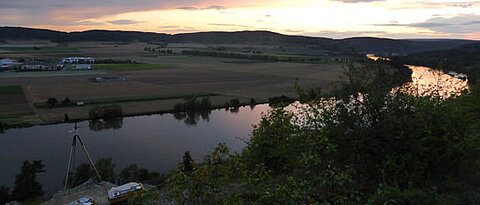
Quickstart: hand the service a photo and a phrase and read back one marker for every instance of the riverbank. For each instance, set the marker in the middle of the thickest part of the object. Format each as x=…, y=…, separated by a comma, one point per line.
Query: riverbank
x=130, y=108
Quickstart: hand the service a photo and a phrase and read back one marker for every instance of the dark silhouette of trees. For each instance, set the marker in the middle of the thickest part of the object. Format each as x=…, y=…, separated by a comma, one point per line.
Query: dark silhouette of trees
x=82, y=174
x=26, y=184
x=105, y=167
x=4, y=194
x=187, y=162
x=66, y=101
x=51, y=102
x=133, y=173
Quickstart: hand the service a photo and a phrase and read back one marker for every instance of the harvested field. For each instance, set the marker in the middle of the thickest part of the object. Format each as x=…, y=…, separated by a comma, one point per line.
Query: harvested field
x=130, y=66
x=14, y=107
x=149, y=80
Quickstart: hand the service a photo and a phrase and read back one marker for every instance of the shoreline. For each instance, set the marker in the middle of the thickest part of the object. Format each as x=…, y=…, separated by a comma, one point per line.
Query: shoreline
x=137, y=114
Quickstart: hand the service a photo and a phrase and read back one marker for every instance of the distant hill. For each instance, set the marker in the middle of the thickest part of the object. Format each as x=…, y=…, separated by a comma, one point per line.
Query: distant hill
x=344, y=46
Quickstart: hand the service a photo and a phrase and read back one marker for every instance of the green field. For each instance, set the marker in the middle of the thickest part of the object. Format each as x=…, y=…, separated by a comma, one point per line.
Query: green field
x=130, y=66
x=12, y=89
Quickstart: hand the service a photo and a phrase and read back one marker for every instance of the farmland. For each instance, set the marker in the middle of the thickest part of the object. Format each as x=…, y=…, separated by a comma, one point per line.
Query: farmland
x=155, y=83
x=130, y=66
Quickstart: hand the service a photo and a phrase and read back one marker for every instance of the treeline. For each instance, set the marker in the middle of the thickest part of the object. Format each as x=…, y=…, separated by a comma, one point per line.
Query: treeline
x=343, y=46
x=262, y=57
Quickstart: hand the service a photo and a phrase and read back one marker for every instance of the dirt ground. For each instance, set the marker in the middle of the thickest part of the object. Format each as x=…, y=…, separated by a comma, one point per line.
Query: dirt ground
x=228, y=78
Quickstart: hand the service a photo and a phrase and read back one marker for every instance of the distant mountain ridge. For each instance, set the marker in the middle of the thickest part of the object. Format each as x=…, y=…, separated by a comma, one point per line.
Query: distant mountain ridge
x=344, y=46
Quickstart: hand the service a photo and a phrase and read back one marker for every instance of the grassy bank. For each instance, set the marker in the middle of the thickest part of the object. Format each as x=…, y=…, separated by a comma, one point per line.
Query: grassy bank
x=102, y=101
x=11, y=89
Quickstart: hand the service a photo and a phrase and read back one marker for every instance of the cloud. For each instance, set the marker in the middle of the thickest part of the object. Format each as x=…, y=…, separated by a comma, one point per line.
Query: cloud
x=463, y=4
x=180, y=30
x=124, y=22
x=216, y=7
x=294, y=31
x=344, y=34
x=437, y=5
x=168, y=27
x=89, y=23
x=67, y=12
x=228, y=25
x=190, y=8
x=212, y=7
x=465, y=23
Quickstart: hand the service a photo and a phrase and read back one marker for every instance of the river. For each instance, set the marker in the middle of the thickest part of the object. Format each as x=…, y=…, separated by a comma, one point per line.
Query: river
x=155, y=142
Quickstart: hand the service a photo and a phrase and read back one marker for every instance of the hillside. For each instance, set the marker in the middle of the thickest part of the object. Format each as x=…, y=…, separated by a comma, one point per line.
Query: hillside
x=344, y=46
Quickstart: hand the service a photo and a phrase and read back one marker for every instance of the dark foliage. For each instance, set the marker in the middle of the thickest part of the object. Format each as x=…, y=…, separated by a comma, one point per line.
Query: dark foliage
x=368, y=145
x=51, y=102
x=187, y=162
x=280, y=101
x=105, y=167
x=26, y=184
x=105, y=112
x=4, y=194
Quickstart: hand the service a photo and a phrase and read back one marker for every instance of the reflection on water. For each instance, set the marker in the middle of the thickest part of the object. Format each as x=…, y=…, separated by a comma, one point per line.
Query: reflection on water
x=105, y=124
x=429, y=82
x=192, y=117
x=155, y=142
x=375, y=58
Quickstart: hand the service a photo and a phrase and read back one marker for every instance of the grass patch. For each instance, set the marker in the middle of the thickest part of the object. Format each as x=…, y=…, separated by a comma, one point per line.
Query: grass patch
x=12, y=89
x=131, y=66
x=241, y=61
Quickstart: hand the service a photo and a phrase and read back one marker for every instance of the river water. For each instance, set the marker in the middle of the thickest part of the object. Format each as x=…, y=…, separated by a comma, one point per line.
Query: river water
x=155, y=142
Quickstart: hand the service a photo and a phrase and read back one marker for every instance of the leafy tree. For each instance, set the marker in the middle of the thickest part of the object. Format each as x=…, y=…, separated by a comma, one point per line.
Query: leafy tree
x=82, y=174
x=51, y=102
x=66, y=101
x=187, y=162
x=26, y=184
x=105, y=167
x=133, y=173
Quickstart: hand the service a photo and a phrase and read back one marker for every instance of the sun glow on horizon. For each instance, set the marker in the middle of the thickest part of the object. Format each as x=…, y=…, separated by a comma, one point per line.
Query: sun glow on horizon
x=334, y=18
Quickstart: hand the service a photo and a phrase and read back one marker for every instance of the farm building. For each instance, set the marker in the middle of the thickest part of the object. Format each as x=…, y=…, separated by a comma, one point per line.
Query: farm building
x=78, y=60
x=83, y=67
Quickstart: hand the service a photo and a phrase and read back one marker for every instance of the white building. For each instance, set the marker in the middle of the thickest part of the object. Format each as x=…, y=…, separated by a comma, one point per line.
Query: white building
x=78, y=60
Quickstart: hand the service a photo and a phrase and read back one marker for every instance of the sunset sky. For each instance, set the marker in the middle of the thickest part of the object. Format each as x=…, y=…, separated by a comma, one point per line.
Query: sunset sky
x=324, y=18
